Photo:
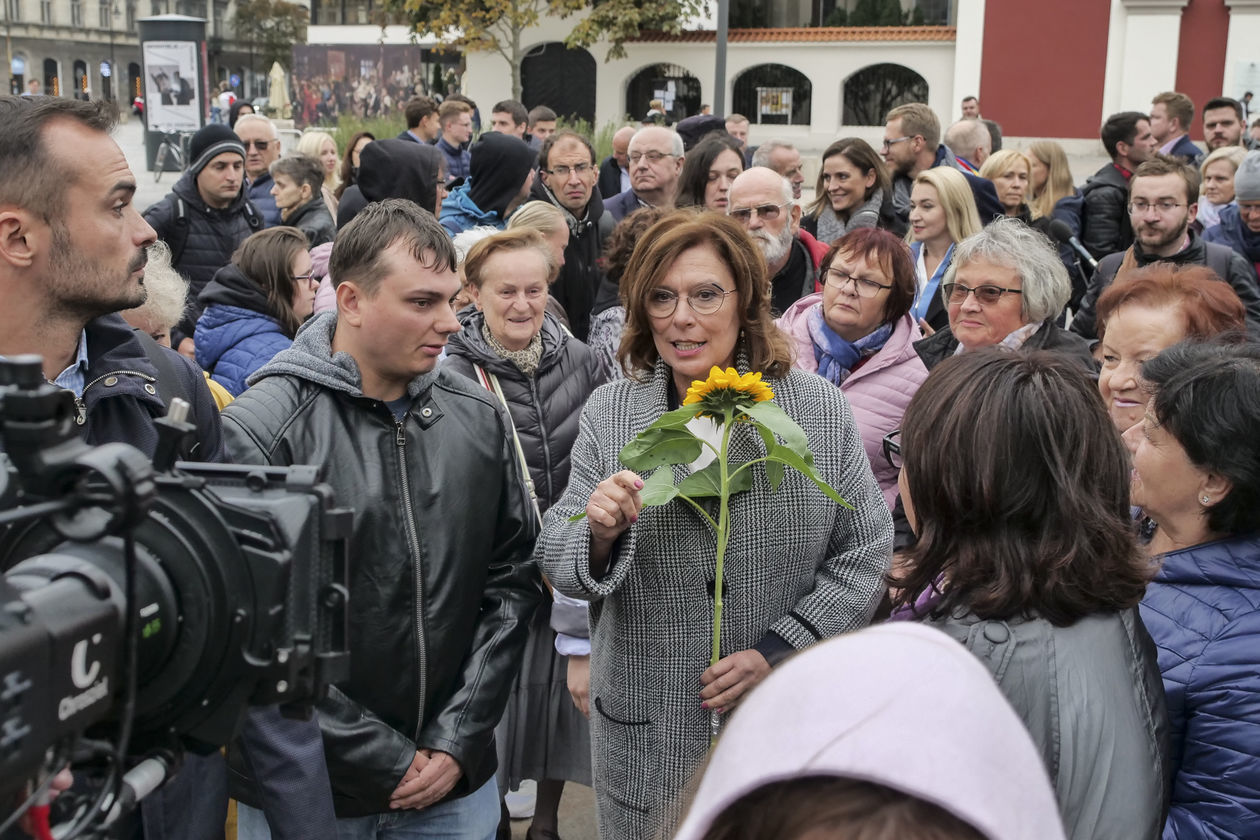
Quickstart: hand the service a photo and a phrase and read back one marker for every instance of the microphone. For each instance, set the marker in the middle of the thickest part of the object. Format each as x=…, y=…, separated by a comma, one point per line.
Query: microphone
x=1060, y=230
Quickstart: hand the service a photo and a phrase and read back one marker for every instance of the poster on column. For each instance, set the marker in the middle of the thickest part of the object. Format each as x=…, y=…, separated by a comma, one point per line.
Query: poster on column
x=170, y=85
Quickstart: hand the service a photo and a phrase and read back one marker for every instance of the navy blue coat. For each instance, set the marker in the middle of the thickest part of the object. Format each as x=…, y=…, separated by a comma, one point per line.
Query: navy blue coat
x=1203, y=611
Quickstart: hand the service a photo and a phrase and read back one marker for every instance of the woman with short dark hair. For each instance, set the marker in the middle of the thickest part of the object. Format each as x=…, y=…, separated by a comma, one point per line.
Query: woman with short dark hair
x=857, y=333
x=1017, y=487
x=1196, y=476
x=709, y=169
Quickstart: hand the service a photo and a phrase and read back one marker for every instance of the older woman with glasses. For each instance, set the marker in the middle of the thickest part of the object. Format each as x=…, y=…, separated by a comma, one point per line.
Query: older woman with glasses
x=1006, y=287
x=858, y=334
x=799, y=568
x=254, y=306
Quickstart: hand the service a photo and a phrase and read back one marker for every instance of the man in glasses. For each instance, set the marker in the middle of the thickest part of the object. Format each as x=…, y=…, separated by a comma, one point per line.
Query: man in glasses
x=262, y=148
x=912, y=144
x=1163, y=196
x=656, y=161
x=204, y=217
x=761, y=200
x=566, y=178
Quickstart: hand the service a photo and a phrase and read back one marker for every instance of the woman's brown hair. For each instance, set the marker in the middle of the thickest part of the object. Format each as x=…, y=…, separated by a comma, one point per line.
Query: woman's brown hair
x=766, y=348
x=890, y=254
x=1019, y=489
x=846, y=809
x=1209, y=305
x=267, y=259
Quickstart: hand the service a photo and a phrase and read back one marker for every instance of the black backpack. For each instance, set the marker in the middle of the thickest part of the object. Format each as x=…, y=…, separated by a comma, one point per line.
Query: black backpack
x=179, y=234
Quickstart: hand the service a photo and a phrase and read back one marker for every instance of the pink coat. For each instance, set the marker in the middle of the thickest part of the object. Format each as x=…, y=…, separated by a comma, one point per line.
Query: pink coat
x=878, y=391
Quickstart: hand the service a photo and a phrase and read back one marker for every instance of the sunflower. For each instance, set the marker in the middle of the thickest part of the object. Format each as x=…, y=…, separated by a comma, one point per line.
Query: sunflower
x=726, y=389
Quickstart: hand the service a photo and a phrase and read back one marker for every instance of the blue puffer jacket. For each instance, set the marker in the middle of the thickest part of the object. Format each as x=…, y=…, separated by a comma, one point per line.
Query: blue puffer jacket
x=459, y=213
x=1203, y=611
x=234, y=335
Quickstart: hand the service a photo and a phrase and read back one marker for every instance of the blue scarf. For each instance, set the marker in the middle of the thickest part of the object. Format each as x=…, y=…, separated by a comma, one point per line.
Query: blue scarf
x=924, y=301
x=837, y=356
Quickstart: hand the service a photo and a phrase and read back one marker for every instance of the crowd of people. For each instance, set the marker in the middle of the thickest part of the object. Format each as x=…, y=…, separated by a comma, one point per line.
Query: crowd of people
x=1038, y=401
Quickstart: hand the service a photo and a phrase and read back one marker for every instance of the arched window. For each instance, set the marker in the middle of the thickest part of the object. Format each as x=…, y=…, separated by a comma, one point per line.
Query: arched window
x=563, y=79
x=870, y=93
x=673, y=85
x=80, y=80
x=772, y=94
x=52, y=77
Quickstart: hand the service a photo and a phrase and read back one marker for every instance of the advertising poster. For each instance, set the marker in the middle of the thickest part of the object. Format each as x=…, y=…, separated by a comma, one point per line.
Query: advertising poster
x=171, y=85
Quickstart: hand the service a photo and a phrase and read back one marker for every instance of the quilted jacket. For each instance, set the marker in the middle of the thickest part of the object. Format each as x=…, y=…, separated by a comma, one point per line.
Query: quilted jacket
x=1203, y=611
x=878, y=391
x=234, y=335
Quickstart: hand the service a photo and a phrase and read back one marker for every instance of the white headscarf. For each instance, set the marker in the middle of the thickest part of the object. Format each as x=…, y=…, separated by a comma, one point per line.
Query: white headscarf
x=899, y=705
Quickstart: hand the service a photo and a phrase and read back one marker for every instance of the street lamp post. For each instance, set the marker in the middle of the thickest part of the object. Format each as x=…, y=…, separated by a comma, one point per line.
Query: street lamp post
x=113, y=68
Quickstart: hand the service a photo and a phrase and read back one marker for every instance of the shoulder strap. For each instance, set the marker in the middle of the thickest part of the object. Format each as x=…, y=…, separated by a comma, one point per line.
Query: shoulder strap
x=179, y=235
x=491, y=383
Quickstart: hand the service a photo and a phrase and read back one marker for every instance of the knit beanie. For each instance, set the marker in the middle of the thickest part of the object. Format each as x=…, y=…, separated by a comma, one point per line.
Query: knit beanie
x=1247, y=178
x=209, y=143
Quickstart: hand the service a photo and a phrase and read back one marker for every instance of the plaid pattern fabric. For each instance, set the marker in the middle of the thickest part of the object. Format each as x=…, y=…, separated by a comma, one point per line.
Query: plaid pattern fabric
x=797, y=564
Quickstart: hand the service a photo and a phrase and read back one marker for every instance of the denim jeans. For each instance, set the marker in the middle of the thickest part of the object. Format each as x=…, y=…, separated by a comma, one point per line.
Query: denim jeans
x=473, y=817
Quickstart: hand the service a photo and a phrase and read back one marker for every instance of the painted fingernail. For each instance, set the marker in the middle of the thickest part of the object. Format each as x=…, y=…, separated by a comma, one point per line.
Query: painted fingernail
x=704, y=705
x=634, y=518
x=638, y=485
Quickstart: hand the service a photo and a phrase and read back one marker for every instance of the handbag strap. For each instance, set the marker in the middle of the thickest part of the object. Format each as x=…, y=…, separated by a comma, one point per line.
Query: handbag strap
x=491, y=383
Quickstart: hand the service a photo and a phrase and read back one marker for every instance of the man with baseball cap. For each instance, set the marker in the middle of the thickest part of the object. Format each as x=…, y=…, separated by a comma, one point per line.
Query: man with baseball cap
x=204, y=217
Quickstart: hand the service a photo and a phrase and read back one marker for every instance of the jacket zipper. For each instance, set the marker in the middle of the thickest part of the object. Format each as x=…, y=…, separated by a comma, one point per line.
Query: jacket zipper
x=542, y=428
x=81, y=406
x=410, y=522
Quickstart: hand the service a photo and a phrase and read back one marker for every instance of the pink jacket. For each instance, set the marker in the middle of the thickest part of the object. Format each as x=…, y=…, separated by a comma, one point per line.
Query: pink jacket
x=878, y=391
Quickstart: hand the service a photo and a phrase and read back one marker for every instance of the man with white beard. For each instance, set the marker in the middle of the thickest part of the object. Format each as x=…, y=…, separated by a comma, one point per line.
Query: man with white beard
x=761, y=200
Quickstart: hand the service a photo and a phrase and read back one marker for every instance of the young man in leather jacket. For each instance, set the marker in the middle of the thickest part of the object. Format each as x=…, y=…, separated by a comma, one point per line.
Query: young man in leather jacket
x=443, y=583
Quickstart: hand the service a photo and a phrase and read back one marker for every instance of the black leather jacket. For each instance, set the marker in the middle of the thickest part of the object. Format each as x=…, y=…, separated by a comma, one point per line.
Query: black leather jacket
x=443, y=584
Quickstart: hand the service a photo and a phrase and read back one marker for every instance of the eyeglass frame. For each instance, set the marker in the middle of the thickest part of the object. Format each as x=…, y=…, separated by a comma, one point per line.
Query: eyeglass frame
x=947, y=291
x=659, y=156
x=778, y=208
x=260, y=145
x=891, y=445
x=1158, y=206
x=888, y=144
x=725, y=293
x=857, y=283
x=312, y=279
x=564, y=170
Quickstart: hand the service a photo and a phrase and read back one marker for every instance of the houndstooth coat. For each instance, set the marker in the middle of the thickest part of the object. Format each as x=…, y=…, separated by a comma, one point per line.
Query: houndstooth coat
x=797, y=564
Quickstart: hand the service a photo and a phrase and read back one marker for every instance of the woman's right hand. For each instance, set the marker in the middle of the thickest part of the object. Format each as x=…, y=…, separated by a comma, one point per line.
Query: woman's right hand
x=613, y=507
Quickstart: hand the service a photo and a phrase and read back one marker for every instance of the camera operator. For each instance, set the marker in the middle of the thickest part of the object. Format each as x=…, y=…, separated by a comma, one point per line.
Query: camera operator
x=72, y=254
x=442, y=579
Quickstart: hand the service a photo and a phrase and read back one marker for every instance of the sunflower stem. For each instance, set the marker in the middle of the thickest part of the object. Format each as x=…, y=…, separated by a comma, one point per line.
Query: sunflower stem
x=723, y=526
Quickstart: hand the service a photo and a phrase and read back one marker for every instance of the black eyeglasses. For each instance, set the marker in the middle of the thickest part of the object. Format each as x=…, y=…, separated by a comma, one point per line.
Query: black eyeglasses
x=563, y=171
x=892, y=449
x=838, y=279
x=312, y=280
x=661, y=303
x=652, y=157
x=260, y=145
x=986, y=294
x=765, y=212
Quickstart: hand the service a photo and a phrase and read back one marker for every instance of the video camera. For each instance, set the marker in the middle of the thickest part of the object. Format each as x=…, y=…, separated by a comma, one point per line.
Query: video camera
x=154, y=599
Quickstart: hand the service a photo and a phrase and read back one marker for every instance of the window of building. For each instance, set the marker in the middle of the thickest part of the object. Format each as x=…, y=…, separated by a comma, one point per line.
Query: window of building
x=220, y=13
x=45, y=11
x=103, y=11
x=76, y=14
x=870, y=93
x=772, y=94
x=131, y=17
x=14, y=10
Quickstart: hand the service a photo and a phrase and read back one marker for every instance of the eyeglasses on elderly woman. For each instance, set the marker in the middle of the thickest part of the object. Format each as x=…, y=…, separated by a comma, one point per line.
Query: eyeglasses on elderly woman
x=986, y=294
x=706, y=300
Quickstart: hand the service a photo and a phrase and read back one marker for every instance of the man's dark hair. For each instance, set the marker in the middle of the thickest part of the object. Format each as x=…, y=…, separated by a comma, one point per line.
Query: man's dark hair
x=990, y=441
x=541, y=113
x=417, y=109
x=512, y=108
x=1167, y=165
x=30, y=177
x=1120, y=128
x=357, y=251
x=1207, y=397
x=301, y=170
x=544, y=154
x=1223, y=102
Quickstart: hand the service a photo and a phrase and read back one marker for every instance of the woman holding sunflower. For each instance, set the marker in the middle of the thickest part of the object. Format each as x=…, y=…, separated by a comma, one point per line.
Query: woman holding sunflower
x=798, y=567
